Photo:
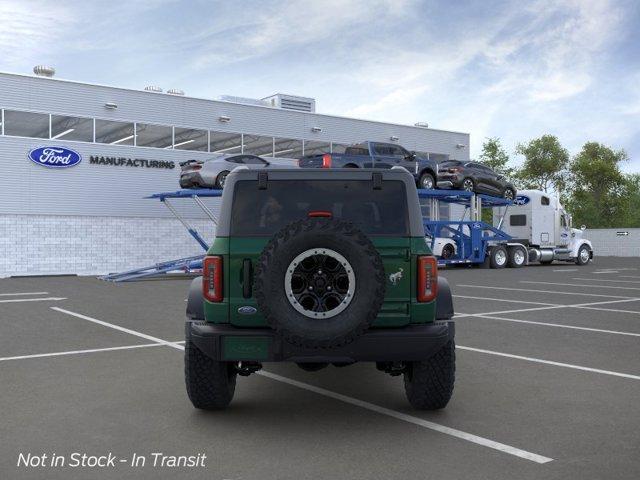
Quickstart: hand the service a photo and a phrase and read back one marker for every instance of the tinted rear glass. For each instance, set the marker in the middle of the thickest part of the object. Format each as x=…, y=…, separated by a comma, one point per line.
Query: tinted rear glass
x=264, y=212
x=518, y=220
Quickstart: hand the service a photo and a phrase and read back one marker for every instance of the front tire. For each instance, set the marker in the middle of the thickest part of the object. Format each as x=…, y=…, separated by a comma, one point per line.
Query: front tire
x=584, y=255
x=468, y=185
x=427, y=181
x=429, y=384
x=210, y=384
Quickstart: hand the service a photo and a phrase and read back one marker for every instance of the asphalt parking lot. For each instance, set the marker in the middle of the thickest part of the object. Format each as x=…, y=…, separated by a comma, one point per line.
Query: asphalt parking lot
x=548, y=383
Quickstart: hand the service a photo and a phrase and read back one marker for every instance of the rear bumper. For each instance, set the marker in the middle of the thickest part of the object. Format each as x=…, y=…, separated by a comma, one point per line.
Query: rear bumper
x=188, y=180
x=229, y=343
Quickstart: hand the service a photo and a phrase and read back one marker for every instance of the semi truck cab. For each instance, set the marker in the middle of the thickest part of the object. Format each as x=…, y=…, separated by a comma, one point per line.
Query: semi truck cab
x=539, y=221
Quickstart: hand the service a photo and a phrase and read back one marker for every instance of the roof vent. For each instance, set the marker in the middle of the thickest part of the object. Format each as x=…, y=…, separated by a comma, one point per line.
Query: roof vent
x=153, y=88
x=422, y=124
x=44, y=71
x=175, y=91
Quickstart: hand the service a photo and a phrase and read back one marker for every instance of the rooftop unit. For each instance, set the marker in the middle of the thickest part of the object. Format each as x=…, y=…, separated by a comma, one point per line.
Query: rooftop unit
x=291, y=102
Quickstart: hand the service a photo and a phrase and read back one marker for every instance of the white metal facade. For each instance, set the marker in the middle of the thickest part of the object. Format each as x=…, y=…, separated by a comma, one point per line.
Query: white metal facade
x=39, y=202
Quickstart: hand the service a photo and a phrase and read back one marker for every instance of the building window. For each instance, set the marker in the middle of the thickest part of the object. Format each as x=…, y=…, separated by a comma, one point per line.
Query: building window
x=71, y=128
x=26, y=124
x=338, y=147
x=223, y=142
x=287, y=148
x=312, y=147
x=258, y=145
x=157, y=136
x=190, y=139
x=114, y=133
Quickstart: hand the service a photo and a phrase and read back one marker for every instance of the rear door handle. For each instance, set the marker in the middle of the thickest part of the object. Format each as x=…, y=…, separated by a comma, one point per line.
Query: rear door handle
x=247, y=277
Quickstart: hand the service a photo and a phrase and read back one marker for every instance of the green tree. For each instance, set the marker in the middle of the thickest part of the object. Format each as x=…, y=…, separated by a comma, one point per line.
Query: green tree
x=599, y=193
x=545, y=164
x=495, y=157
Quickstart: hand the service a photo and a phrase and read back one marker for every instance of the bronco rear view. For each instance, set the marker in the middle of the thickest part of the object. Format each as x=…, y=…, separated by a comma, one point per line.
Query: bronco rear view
x=319, y=267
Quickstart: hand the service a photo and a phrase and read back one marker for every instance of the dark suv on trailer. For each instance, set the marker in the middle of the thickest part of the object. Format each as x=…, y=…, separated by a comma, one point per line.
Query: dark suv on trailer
x=474, y=177
x=320, y=267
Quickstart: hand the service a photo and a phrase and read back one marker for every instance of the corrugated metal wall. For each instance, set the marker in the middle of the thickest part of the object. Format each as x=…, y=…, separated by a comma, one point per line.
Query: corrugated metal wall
x=614, y=242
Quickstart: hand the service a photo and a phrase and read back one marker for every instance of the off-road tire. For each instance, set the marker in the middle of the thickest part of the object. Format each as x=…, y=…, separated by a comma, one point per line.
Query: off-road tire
x=343, y=238
x=210, y=384
x=221, y=178
x=429, y=384
x=427, y=178
x=495, y=258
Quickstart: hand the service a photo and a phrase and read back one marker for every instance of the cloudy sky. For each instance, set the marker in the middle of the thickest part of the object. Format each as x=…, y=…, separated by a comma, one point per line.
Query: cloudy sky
x=510, y=69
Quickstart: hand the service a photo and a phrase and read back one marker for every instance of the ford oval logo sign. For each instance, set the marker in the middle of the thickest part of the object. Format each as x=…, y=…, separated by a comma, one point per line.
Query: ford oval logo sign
x=55, y=157
x=521, y=200
x=247, y=310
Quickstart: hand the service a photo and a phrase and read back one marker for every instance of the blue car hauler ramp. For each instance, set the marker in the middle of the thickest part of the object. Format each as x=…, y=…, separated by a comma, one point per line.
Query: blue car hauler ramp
x=186, y=264
x=472, y=236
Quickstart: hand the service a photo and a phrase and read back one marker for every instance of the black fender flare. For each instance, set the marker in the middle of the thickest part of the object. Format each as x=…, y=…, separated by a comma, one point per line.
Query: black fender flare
x=444, y=300
x=195, y=300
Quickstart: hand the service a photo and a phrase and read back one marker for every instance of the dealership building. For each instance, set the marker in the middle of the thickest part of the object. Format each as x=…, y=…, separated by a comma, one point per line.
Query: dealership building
x=90, y=216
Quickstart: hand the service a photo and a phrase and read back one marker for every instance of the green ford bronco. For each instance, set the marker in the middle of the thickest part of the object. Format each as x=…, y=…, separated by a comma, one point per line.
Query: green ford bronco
x=319, y=267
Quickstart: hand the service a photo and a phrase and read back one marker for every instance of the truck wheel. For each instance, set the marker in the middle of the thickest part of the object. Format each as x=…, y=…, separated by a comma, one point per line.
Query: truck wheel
x=498, y=257
x=517, y=257
x=220, y=179
x=427, y=181
x=210, y=384
x=319, y=283
x=584, y=255
x=429, y=384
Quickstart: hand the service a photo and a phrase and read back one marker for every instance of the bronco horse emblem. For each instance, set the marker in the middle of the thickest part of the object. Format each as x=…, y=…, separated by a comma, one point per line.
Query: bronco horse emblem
x=394, y=278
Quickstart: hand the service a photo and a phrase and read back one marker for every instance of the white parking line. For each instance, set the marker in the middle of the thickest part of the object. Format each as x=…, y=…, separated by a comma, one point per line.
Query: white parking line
x=549, y=362
x=79, y=352
x=23, y=293
x=504, y=300
x=485, y=442
x=575, y=305
x=528, y=290
x=546, y=324
x=119, y=328
x=353, y=401
x=580, y=285
x=46, y=299
x=567, y=270
x=605, y=280
x=606, y=272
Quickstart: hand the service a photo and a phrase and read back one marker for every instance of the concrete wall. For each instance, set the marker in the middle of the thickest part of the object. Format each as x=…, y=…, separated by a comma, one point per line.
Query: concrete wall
x=613, y=241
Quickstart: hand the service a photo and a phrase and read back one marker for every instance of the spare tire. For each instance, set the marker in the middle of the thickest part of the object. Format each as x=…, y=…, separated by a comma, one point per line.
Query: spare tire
x=319, y=283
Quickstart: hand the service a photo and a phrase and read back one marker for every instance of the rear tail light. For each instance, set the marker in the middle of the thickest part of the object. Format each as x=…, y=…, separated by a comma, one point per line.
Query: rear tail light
x=319, y=214
x=196, y=167
x=427, y=278
x=326, y=161
x=212, y=279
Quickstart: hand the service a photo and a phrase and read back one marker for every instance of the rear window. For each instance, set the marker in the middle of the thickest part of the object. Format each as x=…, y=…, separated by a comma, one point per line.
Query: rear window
x=356, y=151
x=264, y=212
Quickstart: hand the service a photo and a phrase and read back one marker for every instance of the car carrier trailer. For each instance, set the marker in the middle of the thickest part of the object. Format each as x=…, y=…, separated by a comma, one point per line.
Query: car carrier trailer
x=532, y=228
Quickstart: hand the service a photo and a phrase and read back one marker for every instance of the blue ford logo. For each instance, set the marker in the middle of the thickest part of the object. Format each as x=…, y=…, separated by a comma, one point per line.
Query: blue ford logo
x=247, y=310
x=55, y=157
x=521, y=200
